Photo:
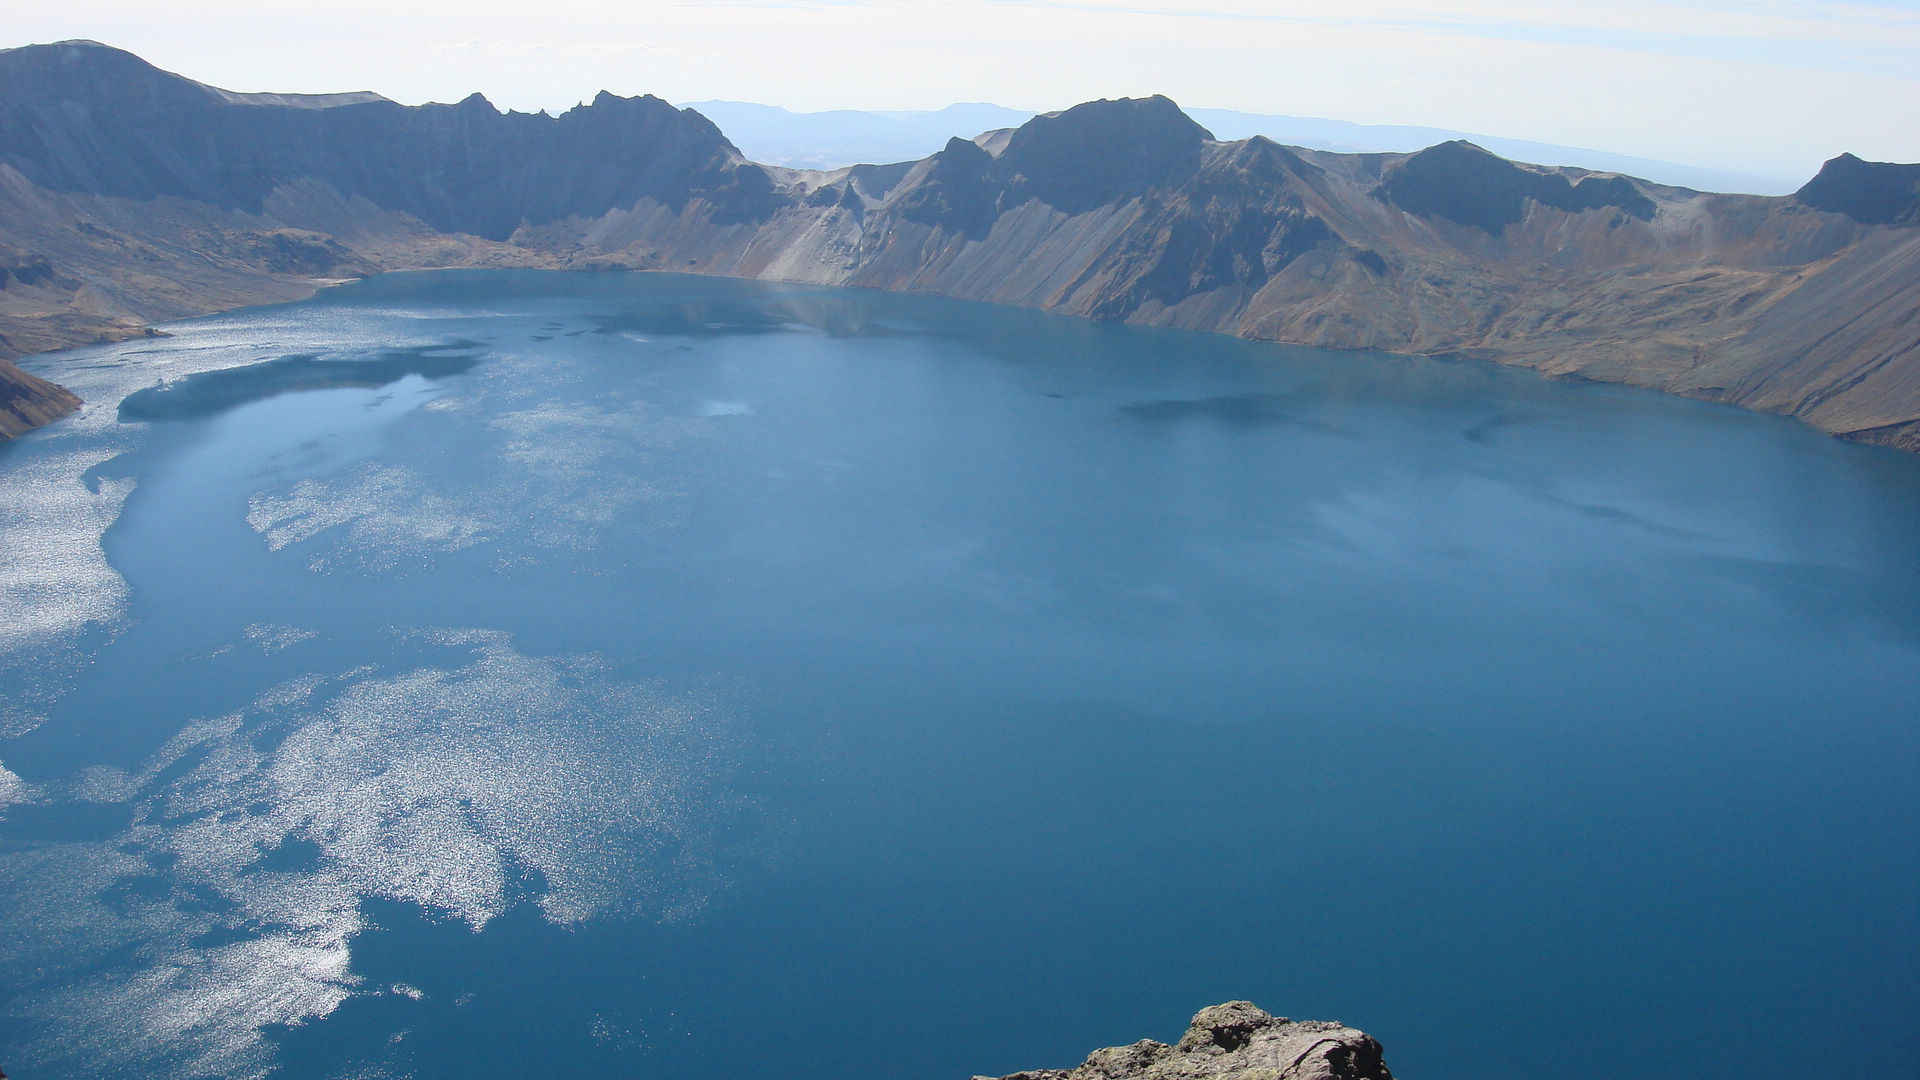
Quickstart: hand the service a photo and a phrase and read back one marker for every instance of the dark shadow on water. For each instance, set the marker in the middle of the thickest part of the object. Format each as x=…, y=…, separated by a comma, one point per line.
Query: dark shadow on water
x=32, y=825
x=1239, y=410
x=222, y=936
x=708, y=316
x=692, y=319
x=212, y=392
x=1484, y=431
x=1610, y=515
x=294, y=855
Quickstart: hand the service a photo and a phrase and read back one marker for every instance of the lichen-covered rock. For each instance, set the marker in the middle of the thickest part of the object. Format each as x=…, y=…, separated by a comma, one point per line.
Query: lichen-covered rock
x=1236, y=1041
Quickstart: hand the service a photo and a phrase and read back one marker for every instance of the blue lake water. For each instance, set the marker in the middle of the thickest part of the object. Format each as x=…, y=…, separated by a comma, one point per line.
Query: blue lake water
x=505, y=674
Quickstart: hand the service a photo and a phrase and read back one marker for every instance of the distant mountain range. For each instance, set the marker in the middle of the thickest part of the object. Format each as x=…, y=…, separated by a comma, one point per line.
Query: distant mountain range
x=839, y=137
x=130, y=196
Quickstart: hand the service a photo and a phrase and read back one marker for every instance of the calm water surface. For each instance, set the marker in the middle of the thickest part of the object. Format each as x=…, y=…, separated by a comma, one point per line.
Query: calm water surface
x=515, y=674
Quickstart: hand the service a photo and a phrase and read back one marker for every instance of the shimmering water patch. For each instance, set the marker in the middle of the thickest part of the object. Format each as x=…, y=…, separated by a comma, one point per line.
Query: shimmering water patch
x=13, y=790
x=389, y=517
x=458, y=788
x=273, y=638
x=66, y=485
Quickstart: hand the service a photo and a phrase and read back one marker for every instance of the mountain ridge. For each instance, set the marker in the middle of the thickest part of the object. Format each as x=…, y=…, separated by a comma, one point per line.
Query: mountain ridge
x=834, y=138
x=89, y=118
x=1126, y=209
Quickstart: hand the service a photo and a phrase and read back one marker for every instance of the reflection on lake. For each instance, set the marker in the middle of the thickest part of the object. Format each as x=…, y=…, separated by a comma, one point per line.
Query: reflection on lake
x=512, y=673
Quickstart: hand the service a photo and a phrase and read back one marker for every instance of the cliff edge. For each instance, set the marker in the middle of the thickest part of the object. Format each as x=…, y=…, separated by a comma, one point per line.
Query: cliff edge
x=1236, y=1040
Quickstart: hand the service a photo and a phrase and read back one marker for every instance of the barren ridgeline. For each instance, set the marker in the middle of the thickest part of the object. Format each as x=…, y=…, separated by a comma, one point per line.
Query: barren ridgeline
x=132, y=196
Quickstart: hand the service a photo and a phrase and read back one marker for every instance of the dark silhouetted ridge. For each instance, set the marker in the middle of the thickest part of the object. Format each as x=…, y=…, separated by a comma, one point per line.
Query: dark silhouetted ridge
x=1103, y=152
x=1463, y=183
x=959, y=191
x=1871, y=192
x=81, y=117
x=207, y=393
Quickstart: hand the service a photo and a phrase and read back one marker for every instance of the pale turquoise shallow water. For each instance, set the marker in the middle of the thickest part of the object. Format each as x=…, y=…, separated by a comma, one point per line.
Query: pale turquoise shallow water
x=656, y=676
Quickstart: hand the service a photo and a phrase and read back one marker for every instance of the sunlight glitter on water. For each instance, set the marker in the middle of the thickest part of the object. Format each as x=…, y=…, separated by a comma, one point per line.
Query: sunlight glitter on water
x=442, y=787
x=827, y=675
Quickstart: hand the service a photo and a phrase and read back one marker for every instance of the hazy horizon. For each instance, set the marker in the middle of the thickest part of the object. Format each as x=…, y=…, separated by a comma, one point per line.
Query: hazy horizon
x=833, y=138
x=1758, y=86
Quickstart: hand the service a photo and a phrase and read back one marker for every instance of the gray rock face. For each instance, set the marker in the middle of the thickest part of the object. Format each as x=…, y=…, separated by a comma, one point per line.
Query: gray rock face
x=81, y=117
x=1875, y=192
x=1463, y=183
x=1103, y=152
x=1236, y=1041
x=958, y=191
x=1092, y=155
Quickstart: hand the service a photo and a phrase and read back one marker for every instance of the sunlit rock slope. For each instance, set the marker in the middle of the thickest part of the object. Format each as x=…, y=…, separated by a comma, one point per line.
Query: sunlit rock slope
x=27, y=402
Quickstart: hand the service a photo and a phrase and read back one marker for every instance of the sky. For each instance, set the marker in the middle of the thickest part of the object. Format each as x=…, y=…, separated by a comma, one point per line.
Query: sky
x=1773, y=86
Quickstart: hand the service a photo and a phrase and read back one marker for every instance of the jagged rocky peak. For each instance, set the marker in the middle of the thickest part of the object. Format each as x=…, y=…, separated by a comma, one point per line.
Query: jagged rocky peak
x=646, y=123
x=1471, y=185
x=608, y=103
x=1236, y=1040
x=1261, y=161
x=610, y=112
x=1871, y=192
x=959, y=162
x=957, y=190
x=92, y=120
x=1104, y=151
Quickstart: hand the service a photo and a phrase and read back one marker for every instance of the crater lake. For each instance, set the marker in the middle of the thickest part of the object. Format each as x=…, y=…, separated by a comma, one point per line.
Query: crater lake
x=499, y=674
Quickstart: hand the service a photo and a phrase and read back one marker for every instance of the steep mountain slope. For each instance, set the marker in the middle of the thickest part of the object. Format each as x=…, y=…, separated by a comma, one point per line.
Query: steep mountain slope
x=1780, y=304
x=27, y=402
x=129, y=195
x=147, y=196
x=82, y=118
x=1875, y=192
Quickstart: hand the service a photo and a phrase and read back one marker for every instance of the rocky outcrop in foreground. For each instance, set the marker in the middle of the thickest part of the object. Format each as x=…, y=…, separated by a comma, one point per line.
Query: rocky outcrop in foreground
x=1240, y=1041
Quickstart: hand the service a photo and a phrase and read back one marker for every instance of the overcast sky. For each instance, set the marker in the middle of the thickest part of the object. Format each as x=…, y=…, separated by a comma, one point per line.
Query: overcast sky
x=1747, y=84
